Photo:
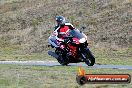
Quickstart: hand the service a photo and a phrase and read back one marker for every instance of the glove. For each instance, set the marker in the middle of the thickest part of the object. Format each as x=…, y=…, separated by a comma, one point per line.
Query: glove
x=66, y=40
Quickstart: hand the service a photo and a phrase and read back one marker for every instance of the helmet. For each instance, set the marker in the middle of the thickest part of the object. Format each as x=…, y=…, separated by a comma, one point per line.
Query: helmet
x=60, y=20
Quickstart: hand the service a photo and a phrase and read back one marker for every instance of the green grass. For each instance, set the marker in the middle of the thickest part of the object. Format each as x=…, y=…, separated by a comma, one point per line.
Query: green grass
x=121, y=56
x=17, y=76
x=16, y=53
x=23, y=57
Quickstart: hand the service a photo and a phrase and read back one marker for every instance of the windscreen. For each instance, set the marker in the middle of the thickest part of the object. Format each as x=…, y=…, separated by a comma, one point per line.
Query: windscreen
x=76, y=34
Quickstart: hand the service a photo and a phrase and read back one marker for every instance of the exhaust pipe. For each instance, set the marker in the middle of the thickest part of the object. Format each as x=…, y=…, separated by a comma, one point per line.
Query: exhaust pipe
x=53, y=54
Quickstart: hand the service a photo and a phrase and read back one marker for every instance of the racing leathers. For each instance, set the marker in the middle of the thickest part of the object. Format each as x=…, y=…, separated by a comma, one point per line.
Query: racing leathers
x=60, y=31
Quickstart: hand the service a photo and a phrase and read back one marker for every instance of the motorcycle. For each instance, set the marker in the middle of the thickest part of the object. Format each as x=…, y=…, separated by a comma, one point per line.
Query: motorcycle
x=74, y=50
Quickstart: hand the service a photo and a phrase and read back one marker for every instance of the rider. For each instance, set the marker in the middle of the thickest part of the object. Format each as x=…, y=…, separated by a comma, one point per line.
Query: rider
x=61, y=30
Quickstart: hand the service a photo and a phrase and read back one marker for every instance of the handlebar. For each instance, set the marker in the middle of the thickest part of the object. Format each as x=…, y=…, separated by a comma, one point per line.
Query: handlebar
x=68, y=37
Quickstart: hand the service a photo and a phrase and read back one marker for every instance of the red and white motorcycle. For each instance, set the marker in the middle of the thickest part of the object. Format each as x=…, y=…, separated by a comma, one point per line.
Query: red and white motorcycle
x=74, y=50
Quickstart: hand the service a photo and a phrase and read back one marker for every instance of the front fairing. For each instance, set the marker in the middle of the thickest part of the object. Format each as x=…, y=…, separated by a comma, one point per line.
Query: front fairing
x=78, y=37
x=76, y=34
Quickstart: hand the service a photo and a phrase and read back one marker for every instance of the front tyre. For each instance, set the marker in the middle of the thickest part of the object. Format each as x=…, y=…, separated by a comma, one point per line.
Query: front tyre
x=88, y=57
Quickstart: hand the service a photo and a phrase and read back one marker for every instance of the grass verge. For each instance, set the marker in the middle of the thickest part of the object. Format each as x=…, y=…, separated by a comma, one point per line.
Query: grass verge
x=18, y=76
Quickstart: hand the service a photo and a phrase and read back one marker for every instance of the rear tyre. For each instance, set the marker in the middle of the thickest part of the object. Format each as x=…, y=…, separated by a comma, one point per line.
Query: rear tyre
x=61, y=59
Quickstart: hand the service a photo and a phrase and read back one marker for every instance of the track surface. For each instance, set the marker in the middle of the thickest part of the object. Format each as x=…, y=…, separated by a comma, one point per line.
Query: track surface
x=55, y=63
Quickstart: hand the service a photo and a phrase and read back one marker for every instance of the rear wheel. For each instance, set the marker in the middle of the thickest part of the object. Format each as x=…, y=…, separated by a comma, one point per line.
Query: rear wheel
x=62, y=61
x=62, y=58
x=88, y=57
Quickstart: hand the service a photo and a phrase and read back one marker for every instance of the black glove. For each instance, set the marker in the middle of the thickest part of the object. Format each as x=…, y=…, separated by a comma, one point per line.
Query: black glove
x=66, y=40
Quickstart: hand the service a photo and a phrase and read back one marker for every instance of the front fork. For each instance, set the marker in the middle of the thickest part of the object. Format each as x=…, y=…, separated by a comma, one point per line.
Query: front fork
x=83, y=57
x=83, y=52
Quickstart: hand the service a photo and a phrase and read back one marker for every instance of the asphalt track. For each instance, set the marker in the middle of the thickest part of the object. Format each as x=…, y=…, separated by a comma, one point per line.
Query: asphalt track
x=55, y=63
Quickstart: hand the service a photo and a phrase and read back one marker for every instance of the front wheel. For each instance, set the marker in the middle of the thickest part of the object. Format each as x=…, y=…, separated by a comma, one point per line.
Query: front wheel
x=88, y=57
